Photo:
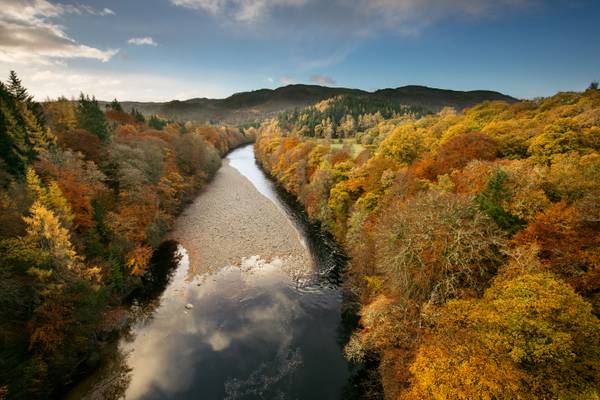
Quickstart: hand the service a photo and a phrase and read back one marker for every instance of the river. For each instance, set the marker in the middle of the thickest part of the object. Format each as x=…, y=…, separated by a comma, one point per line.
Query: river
x=250, y=309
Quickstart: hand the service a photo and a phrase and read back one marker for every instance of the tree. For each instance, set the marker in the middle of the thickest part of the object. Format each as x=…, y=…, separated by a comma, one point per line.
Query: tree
x=14, y=143
x=138, y=116
x=456, y=152
x=45, y=229
x=155, y=122
x=435, y=245
x=490, y=202
x=61, y=115
x=529, y=337
x=404, y=144
x=116, y=106
x=91, y=118
x=16, y=88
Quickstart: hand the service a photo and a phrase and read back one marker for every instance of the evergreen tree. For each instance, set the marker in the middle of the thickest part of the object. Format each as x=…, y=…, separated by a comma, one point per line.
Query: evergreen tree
x=16, y=89
x=138, y=116
x=14, y=144
x=156, y=122
x=116, y=106
x=91, y=118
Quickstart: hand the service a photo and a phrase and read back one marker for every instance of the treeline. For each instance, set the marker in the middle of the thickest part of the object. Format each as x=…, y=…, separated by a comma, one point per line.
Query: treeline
x=475, y=245
x=341, y=116
x=85, y=197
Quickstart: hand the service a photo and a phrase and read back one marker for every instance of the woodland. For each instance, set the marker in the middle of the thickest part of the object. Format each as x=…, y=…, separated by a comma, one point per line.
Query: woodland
x=473, y=238
x=473, y=235
x=86, y=195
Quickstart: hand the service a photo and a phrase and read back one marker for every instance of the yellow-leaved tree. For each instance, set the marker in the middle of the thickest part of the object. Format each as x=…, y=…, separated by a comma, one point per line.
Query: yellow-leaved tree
x=45, y=229
x=529, y=337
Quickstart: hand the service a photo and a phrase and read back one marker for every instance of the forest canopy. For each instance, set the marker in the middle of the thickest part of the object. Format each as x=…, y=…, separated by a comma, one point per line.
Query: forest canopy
x=473, y=236
x=86, y=194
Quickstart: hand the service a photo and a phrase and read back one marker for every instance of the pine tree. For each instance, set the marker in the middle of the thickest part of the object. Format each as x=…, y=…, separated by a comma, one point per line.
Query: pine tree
x=14, y=144
x=116, y=106
x=16, y=88
x=138, y=116
x=91, y=118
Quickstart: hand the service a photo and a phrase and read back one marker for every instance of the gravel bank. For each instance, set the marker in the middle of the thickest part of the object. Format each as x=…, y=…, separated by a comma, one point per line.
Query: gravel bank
x=230, y=221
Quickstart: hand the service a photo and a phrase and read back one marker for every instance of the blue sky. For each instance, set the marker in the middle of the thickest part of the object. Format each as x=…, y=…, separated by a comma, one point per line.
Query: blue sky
x=178, y=49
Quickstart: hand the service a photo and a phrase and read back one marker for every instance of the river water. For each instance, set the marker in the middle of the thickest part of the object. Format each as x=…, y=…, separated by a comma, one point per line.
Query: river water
x=256, y=330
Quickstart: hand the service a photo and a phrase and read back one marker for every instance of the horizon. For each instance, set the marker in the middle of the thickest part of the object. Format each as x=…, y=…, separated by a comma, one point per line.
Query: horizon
x=75, y=98
x=132, y=52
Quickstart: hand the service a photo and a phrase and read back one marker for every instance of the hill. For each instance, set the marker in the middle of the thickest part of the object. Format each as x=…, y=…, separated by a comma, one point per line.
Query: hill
x=255, y=105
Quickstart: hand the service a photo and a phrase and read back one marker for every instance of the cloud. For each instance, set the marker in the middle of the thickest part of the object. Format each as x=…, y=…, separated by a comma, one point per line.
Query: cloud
x=410, y=16
x=322, y=80
x=83, y=9
x=286, y=80
x=52, y=81
x=360, y=17
x=239, y=10
x=143, y=41
x=28, y=34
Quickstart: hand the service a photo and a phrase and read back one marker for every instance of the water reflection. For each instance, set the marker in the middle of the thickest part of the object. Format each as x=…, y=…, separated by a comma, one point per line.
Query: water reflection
x=252, y=333
x=264, y=329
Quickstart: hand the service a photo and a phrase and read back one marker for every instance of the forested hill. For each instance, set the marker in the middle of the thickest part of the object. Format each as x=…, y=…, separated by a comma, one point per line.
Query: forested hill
x=256, y=105
x=86, y=195
x=473, y=240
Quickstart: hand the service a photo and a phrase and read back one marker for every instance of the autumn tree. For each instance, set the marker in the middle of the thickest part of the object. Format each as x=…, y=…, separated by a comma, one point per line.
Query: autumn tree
x=529, y=337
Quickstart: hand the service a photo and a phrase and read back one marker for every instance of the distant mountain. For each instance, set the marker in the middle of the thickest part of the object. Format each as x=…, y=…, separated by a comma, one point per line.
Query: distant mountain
x=256, y=105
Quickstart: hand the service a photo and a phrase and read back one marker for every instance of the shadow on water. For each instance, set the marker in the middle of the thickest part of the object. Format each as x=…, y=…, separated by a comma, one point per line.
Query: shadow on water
x=164, y=262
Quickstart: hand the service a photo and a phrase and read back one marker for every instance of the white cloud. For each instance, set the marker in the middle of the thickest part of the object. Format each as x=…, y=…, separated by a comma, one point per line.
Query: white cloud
x=83, y=9
x=359, y=16
x=410, y=16
x=28, y=34
x=286, y=80
x=239, y=10
x=143, y=41
x=52, y=81
x=322, y=80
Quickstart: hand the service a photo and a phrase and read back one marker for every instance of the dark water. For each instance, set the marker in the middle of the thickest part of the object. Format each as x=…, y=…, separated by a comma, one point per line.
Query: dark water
x=259, y=331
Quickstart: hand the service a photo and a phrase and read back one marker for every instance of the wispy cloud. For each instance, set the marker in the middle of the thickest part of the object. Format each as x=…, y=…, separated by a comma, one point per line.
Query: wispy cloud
x=239, y=10
x=29, y=35
x=85, y=9
x=359, y=16
x=142, y=41
x=322, y=80
x=286, y=80
x=411, y=16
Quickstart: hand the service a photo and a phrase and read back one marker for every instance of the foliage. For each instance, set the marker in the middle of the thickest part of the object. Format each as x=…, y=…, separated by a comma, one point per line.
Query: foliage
x=490, y=202
x=91, y=118
x=80, y=215
x=341, y=116
x=428, y=214
x=529, y=337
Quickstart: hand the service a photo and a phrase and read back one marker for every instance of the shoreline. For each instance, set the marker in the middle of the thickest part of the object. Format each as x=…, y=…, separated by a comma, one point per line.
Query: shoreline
x=237, y=222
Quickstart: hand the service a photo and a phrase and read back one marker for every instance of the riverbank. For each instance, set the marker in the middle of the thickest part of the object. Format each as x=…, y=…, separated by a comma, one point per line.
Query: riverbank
x=236, y=222
x=248, y=310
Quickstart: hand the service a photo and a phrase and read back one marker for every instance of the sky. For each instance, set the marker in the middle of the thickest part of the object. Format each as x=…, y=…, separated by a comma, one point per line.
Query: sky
x=158, y=50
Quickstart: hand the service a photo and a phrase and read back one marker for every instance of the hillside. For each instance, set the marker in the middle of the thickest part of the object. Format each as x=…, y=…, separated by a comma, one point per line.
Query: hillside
x=473, y=241
x=253, y=106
